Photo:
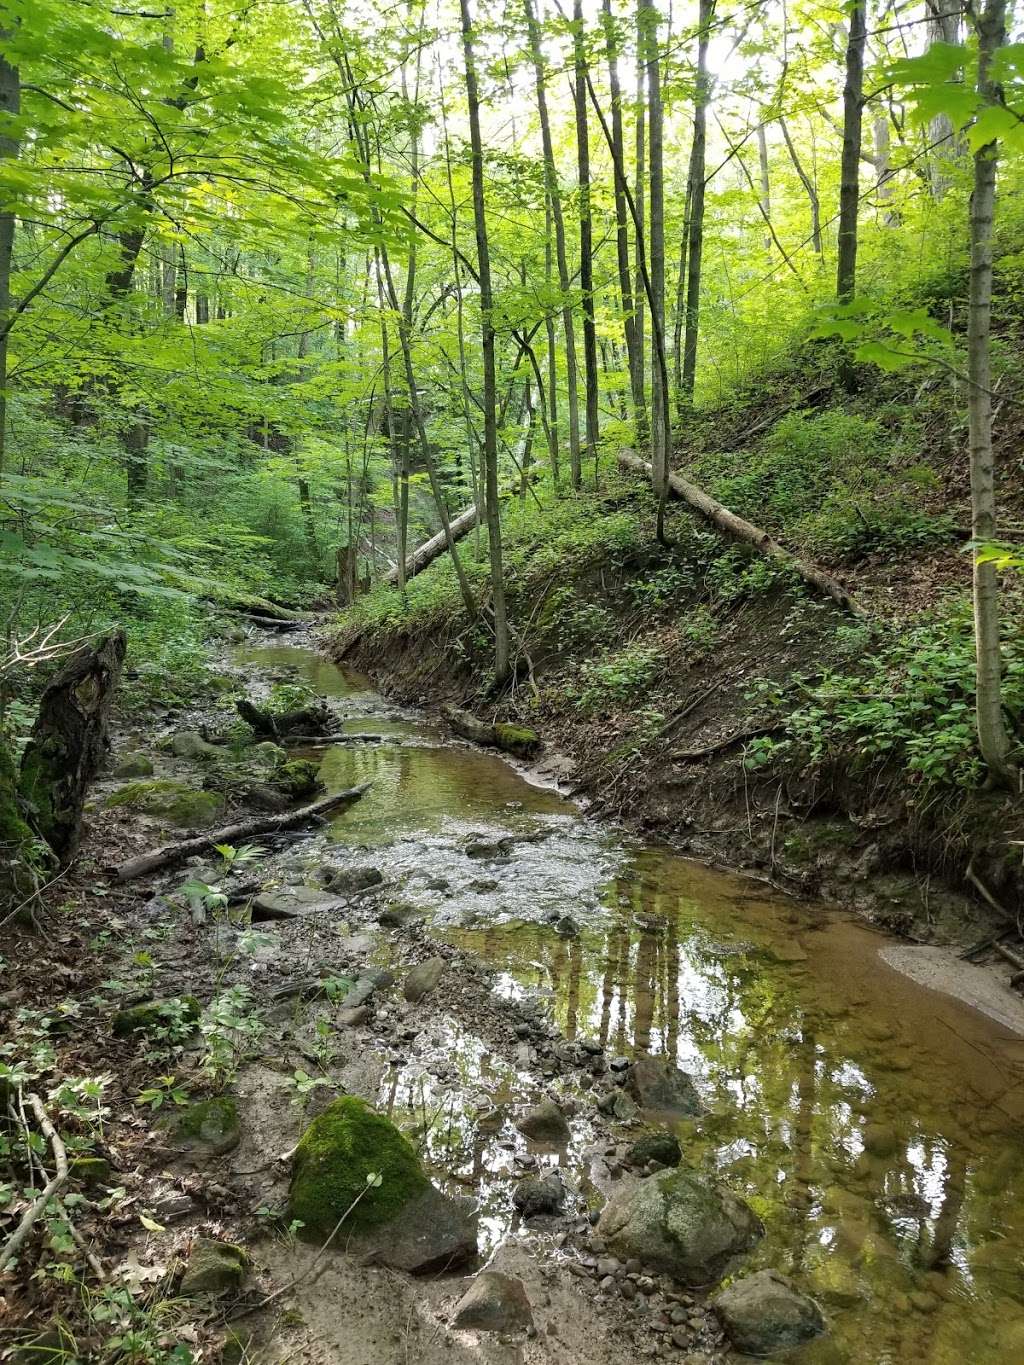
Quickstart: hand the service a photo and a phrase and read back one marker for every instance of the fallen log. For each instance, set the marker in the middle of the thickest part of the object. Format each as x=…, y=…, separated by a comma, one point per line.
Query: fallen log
x=69, y=741
x=158, y=858
x=273, y=724
x=319, y=741
x=272, y=622
x=513, y=739
x=740, y=529
x=434, y=547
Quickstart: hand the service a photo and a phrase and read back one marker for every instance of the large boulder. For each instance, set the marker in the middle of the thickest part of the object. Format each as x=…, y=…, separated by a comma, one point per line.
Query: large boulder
x=658, y=1085
x=191, y=744
x=681, y=1223
x=494, y=1303
x=134, y=765
x=660, y=1147
x=353, y=1166
x=765, y=1313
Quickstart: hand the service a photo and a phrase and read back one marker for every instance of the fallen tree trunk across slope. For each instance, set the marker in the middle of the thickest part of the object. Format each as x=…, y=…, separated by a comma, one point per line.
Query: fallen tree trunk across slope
x=740, y=529
x=233, y=834
x=434, y=547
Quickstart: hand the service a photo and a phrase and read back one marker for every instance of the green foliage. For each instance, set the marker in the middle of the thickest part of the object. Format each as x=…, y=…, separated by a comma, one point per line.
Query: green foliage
x=621, y=677
x=908, y=703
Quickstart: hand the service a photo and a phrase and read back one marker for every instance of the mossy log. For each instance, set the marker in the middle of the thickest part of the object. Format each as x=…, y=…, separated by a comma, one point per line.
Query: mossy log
x=513, y=739
x=69, y=741
x=233, y=834
x=16, y=838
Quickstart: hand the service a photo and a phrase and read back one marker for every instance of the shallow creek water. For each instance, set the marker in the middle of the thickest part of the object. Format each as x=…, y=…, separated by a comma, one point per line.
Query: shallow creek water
x=873, y=1124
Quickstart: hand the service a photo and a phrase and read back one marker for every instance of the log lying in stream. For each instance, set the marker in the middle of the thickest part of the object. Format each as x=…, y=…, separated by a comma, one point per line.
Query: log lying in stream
x=159, y=858
x=738, y=528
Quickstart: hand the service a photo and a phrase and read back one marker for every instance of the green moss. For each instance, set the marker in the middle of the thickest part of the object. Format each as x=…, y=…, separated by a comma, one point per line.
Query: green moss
x=154, y=1014
x=297, y=777
x=90, y=1170
x=517, y=739
x=15, y=836
x=181, y=805
x=340, y=1149
x=211, y=1124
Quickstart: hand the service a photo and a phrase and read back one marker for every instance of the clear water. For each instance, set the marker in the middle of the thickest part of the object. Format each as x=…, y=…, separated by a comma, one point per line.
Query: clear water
x=873, y=1124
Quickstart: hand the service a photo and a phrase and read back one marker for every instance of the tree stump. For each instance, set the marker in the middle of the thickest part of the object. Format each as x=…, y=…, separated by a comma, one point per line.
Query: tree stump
x=69, y=741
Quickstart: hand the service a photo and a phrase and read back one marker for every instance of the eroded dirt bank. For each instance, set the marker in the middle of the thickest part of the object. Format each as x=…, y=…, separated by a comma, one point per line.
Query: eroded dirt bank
x=870, y=1124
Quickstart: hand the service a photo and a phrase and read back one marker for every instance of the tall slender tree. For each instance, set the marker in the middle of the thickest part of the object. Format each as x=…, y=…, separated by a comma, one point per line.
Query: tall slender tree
x=696, y=185
x=580, y=70
x=849, y=170
x=490, y=392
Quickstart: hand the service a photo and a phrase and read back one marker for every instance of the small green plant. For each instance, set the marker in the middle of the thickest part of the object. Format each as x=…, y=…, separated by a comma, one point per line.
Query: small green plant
x=201, y=897
x=243, y=856
x=230, y=1026
x=303, y=1085
x=618, y=677
x=164, y=1090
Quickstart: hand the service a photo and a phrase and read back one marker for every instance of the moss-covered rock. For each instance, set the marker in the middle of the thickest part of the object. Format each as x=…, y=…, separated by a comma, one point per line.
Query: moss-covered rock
x=660, y=1147
x=519, y=740
x=156, y=1014
x=297, y=778
x=213, y=1268
x=191, y=744
x=90, y=1170
x=134, y=765
x=16, y=839
x=339, y=1151
x=208, y=1127
x=177, y=803
x=268, y=754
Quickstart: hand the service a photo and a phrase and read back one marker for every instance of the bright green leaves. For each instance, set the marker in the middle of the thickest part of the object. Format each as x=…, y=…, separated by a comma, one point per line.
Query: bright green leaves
x=892, y=340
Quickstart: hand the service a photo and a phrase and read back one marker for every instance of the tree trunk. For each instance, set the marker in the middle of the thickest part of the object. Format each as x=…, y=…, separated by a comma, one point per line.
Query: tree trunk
x=552, y=356
x=660, y=417
x=69, y=741
x=849, y=171
x=695, y=194
x=586, y=235
x=555, y=200
x=639, y=217
x=492, y=507
x=947, y=145
x=765, y=190
x=809, y=188
x=10, y=106
x=634, y=356
x=993, y=739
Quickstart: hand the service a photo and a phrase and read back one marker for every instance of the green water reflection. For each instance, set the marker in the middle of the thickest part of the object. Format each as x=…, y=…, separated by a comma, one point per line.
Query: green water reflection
x=874, y=1126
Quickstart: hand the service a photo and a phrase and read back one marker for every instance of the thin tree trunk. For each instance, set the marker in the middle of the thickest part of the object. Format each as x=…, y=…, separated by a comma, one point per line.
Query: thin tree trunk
x=586, y=236
x=555, y=200
x=696, y=187
x=492, y=507
x=629, y=320
x=993, y=739
x=10, y=105
x=659, y=406
x=765, y=190
x=639, y=217
x=948, y=146
x=809, y=188
x=886, y=183
x=549, y=326
x=849, y=173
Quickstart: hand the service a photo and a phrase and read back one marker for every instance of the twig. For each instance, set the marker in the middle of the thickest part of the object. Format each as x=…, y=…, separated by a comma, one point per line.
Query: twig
x=38, y=1206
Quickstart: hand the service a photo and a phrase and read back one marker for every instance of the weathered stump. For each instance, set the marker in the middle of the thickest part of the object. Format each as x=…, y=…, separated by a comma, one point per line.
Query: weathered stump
x=69, y=741
x=314, y=719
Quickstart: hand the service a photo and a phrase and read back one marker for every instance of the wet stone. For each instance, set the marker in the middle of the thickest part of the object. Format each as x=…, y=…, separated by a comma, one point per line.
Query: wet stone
x=423, y=979
x=494, y=1303
x=546, y=1123
x=535, y=1196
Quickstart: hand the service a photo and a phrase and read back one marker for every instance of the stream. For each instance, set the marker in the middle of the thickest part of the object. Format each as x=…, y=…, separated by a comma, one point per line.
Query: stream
x=873, y=1124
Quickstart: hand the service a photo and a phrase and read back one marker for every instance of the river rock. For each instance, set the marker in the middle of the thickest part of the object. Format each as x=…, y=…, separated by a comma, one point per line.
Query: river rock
x=618, y=1105
x=658, y=1085
x=207, y=1128
x=433, y=1232
x=546, y=1123
x=539, y=1195
x=494, y=1303
x=660, y=1147
x=347, y=881
x=213, y=1268
x=190, y=744
x=134, y=765
x=489, y=848
x=422, y=979
x=764, y=1313
x=682, y=1224
x=359, y=993
x=272, y=905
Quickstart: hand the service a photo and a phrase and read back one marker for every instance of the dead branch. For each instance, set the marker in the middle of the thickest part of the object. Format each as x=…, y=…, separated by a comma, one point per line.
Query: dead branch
x=53, y=1186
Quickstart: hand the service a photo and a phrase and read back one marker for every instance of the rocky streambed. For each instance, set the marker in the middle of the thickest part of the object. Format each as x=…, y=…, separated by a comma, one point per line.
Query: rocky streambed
x=556, y=1096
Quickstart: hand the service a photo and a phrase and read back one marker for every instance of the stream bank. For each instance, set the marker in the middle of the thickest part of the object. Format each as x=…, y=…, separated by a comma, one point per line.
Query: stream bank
x=870, y=1124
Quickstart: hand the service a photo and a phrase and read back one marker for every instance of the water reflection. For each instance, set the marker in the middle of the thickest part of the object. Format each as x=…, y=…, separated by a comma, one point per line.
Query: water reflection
x=875, y=1128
